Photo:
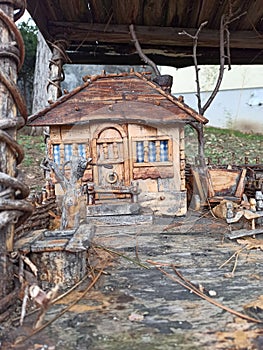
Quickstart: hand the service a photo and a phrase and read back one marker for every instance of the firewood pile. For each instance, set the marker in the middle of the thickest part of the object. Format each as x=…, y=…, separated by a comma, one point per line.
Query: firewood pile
x=254, y=180
x=44, y=204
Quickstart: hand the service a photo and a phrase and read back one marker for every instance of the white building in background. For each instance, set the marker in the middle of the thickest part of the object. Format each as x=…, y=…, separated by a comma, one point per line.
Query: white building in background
x=238, y=104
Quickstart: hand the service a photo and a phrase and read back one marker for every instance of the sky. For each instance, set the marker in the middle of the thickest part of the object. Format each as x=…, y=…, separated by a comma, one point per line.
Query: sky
x=26, y=16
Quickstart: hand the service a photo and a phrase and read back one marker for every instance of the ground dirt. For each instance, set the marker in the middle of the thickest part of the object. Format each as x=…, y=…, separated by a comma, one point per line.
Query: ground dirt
x=136, y=304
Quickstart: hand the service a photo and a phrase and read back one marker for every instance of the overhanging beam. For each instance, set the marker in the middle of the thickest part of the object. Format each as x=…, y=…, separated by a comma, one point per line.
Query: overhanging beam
x=154, y=36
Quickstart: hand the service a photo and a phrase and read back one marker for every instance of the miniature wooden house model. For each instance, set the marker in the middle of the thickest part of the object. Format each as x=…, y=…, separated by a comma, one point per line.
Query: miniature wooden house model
x=134, y=132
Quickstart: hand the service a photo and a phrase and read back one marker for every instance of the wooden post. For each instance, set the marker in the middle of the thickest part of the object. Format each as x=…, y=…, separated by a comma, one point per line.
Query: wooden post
x=182, y=159
x=13, y=211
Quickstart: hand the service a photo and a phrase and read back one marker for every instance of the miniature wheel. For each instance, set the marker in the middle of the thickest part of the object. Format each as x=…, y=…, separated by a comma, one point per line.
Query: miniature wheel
x=112, y=177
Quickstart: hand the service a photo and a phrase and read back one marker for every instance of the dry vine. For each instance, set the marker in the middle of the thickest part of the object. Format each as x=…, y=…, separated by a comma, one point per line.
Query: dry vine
x=14, y=209
x=146, y=59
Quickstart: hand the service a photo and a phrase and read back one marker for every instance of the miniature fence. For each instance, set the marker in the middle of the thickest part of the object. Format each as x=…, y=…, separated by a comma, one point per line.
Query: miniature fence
x=43, y=203
x=227, y=160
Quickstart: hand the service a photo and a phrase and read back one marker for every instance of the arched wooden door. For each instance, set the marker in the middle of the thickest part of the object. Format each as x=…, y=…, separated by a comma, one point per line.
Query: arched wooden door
x=110, y=155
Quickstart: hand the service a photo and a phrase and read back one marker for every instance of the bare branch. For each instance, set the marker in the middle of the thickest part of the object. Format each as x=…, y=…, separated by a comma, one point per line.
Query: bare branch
x=222, y=66
x=139, y=50
x=224, y=42
x=228, y=48
x=195, y=42
x=230, y=20
x=24, y=304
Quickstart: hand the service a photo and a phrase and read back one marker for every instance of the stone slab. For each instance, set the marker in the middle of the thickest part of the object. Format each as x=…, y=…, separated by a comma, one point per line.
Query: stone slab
x=120, y=220
x=81, y=239
x=113, y=209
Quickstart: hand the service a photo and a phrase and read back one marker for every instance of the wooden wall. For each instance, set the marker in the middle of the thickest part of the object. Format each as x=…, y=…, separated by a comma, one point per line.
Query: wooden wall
x=162, y=184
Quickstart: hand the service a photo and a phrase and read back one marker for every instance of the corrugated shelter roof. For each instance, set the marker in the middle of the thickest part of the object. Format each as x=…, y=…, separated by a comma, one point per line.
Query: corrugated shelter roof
x=126, y=98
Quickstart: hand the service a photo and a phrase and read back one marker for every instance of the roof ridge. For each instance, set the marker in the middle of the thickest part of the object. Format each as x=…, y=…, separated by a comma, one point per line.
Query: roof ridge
x=173, y=99
x=112, y=75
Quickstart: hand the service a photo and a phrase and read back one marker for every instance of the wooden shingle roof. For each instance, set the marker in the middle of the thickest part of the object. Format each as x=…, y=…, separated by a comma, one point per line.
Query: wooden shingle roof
x=126, y=98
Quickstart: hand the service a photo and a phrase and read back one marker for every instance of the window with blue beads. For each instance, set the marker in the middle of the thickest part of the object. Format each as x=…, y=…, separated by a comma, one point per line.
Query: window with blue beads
x=56, y=154
x=67, y=152
x=152, y=150
x=64, y=152
x=81, y=150
x=164, y=151
x=139, y=152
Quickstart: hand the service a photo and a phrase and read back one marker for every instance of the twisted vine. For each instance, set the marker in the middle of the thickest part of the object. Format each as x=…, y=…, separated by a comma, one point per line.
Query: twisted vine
x=14, y=209
x=58, y=59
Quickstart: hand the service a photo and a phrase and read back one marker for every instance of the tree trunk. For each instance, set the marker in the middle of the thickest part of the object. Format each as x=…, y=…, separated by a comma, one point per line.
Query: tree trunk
x=70, y=218
x=71, y=186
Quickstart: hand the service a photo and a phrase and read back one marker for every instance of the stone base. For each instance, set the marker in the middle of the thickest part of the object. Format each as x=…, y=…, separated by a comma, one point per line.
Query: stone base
x=120, y=220
x=109, y=209
x=59, y=267
x=171, y=203
x=118, y=214
x=60, y=256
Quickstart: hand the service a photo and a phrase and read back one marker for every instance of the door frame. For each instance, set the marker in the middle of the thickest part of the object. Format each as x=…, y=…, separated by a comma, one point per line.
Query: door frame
x=126, y=159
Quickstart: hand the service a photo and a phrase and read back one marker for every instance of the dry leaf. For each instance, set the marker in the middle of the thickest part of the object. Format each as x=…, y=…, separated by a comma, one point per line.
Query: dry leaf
x=255, y=308
x=241, y=340
x=229, y=275
x=256, y=303
x=201, y=288
x=255, y=276
x=238, y=336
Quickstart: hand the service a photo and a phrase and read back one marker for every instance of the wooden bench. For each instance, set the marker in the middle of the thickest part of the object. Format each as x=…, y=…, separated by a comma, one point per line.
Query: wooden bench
x=91, y=190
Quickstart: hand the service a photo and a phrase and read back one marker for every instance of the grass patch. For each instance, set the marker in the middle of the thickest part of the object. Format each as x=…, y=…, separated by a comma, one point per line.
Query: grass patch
x=34, y=149
x=234, y=133
x=225, y=146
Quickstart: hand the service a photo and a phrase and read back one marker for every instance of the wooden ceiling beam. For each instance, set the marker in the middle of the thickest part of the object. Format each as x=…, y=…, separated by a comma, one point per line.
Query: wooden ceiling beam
x=177, y=57
x=166, y=36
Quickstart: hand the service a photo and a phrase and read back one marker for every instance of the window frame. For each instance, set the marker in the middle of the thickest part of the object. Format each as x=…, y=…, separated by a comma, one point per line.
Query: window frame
x=74, y=150
x=155, y=138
